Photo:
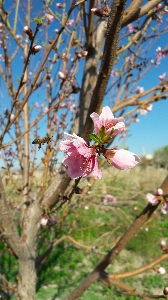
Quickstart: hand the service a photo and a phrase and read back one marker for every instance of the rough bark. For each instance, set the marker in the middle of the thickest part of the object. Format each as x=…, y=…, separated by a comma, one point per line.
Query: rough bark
x=27, y=279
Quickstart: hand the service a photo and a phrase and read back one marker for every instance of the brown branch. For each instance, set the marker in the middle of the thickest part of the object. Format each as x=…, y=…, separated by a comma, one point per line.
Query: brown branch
x=134, y=228
x=7, y=222
x=130, y=16
x=10, y=122
x=89, y=36
x=6, y=23
x=126, y=290
x=4, y=287
x=9, y=287
x=140, y=270
x=113, y=29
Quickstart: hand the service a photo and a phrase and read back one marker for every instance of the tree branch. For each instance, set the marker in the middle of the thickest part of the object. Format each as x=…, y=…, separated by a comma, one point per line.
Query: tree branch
x=7, y=222
x=134, y=228
x=134, y=15
x=113, y=30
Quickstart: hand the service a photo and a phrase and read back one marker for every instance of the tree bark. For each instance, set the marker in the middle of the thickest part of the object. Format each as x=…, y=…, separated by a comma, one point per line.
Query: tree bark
x=27, y=279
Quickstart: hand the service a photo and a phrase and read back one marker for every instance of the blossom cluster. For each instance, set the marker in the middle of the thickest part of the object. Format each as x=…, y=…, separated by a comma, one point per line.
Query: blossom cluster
x=158, y=197
x=82, y=159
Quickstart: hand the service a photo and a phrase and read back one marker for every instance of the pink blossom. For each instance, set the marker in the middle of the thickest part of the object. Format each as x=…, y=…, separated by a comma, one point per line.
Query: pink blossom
x=139, y=90
x=165, y=205
x=69, y=22
x=128, y=59
x=45, y=109
x=18, y=36
x=144, y=111
x=1, y=57
x=161, y=53
x=130, y=28
x=36, y=105
x=149, y=107
x=100, y=12
x=107, y=120
x=82, y=53
x=81, y=159
x=162, y=78
x=114, y=73
x=108, y=198
x=152, y=199
x=163, y=211
x=121, y=159
x=49, y=19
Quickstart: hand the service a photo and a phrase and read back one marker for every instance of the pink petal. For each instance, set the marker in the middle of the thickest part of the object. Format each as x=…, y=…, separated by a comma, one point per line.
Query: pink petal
x=123, y=159
x=152, y=199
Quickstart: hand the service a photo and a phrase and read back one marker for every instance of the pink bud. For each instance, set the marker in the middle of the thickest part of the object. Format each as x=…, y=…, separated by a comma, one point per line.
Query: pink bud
x=35, y=49
x=44, y=220
x=84, y=53
x=161, y=270
x=159, y=192
x=59, y=5
x=163, y=245
x=28, y=31
x=165, y=291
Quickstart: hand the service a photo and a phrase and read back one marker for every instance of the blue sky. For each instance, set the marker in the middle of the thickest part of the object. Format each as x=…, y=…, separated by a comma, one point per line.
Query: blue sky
x=149, y=134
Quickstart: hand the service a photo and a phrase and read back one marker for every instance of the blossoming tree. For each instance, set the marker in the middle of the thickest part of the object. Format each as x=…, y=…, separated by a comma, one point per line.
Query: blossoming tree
x=53, y=71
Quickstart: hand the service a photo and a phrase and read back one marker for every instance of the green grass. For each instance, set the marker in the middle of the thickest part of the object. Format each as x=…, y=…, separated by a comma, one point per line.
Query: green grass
x=99, y=226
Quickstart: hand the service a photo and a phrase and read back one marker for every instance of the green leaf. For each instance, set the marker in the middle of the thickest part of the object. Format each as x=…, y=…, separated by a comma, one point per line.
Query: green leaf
x=39, y=21
x=30, y=109
x=94, y=137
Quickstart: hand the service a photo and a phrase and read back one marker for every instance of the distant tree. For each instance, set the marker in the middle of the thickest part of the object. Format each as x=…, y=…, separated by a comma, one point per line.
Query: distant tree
x=160, y=157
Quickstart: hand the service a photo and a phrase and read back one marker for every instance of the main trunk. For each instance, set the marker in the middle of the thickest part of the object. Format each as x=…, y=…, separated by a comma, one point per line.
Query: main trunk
x=27, y=279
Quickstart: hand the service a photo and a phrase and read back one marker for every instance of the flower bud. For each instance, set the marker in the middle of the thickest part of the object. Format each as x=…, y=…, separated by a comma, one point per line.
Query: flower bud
x=100, y=12
x=161, y=270
x=59, y=5
x=28, y=31
x=44, y=220
x=35, y=49
x=165, y=291
x=159, y=192
x=61, y=75
x=163, y=245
